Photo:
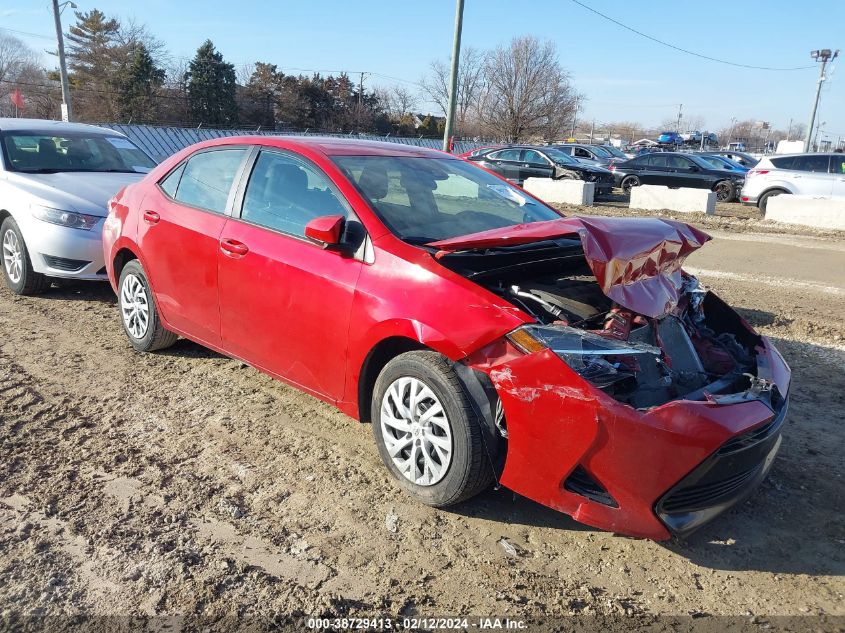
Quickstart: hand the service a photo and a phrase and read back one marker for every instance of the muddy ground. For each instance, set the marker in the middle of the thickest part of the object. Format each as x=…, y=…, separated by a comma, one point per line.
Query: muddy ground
x=186, y=483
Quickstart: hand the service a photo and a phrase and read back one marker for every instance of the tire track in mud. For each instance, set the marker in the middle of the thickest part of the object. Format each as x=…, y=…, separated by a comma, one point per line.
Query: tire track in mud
x=203, y=487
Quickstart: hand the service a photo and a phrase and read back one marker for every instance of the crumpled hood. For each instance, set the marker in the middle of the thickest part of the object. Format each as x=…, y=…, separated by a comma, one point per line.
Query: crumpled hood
x=82, y=192
x=636, y=261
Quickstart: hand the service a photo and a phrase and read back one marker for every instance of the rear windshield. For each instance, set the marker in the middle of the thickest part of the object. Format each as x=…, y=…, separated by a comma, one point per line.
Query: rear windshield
x=46, y=152
x=422, y=200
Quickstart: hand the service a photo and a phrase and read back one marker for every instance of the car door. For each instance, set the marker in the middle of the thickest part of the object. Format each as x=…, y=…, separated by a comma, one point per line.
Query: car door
x=506, y=162
x=178, y=235
x=655, y=171
x=690, y=174
x=285, y=301
x=837, y=169
x=811, y=175
x=535, y=165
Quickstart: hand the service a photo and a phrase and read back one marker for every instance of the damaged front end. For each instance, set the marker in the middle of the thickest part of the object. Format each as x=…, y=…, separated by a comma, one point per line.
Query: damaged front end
x=636, y=401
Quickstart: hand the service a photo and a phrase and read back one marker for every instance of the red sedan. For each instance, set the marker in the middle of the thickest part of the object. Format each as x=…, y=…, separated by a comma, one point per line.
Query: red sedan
x=485, y=336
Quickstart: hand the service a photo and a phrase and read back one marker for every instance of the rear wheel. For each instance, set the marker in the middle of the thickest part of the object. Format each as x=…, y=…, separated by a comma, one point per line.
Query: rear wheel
x=725, y=191
x=138, y=311
x=20, y=277
x=764, y=199
x=629, y=183
x=427, y=432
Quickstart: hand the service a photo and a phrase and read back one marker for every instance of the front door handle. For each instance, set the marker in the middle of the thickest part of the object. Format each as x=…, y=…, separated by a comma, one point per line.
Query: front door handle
x=151, y=217
x=233, y=248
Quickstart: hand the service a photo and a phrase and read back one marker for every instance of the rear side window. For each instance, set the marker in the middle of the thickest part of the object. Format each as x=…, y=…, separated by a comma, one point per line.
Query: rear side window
x=171, y=182
x=785, y=162
x=207, y=178
x=284, y=194
x=817, y=164
x=506, y=154
x=837, y=164
x=656, y=160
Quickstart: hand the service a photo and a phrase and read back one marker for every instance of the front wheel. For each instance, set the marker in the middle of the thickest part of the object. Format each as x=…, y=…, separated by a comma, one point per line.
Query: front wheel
x=629, y=183
x=725, y=191
x=138, y=311
x=427, y=431
x=18, y=272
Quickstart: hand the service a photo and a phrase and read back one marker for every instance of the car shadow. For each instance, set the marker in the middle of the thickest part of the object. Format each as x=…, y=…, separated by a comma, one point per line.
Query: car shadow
x=70, y=290
x=757, y=318
x=185, y=348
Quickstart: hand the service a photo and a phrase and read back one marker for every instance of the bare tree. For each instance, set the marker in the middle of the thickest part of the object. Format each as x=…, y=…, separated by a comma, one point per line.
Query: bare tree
x=527, y=92
x=470, y=84
x=396, y=100
x=20, y=70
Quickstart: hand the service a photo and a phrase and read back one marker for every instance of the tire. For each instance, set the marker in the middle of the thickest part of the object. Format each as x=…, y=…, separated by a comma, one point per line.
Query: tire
x=764, y=199
x=725, y=191
x=467, y=470
x=629, y=182
x=135, y=301
x=18, y=273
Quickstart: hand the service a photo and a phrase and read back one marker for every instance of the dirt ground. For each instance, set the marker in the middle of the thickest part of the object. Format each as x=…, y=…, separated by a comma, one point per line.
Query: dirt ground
x=186, y=483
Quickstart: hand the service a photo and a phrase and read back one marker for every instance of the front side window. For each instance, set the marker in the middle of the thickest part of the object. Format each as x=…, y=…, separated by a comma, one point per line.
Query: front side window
x=207, y=178
x=657, y=160
x=46, y=152
x=285, y=193
x=534, y=157
x=837, y=164
x=422, y=200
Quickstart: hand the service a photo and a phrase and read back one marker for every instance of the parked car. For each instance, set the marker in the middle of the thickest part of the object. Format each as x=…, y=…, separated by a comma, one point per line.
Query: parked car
x=55, y=180
x=588, y=154
x=674, y=169
x=480, y=331
x=520, y=162
x=746, y=160
x=797, y=174
x=616, y=153
x=480, y=150
x=670, y=138
x=691, y=137
x=718, y=161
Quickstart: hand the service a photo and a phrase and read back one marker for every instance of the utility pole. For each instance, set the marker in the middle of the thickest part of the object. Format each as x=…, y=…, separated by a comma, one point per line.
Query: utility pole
x=824, y=55
x=574, y=118
x=789, y=129
x=453, y=76
x=680, y=115
x=592, y=130
x=66, y=112
x=360, y=103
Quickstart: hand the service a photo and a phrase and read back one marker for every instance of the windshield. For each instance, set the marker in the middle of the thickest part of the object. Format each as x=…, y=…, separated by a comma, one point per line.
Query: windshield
x=614, y=151
x=601, y=151
x=422, y=200
x=46, y=152
x=559, y=156
x=715, y=161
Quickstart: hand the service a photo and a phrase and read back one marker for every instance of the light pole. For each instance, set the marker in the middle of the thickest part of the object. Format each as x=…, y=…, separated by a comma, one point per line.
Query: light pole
x=453, y=76
x=823, y=55
x=57, y=16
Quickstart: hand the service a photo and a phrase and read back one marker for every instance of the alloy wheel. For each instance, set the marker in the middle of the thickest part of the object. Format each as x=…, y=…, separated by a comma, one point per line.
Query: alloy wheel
x=723, y=192
x=416, y=431
x=134, y=306
x=12, y=256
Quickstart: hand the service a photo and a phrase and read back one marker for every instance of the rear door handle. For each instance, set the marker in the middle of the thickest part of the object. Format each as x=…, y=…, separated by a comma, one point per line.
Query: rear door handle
x=151, y=217
x=233, y=248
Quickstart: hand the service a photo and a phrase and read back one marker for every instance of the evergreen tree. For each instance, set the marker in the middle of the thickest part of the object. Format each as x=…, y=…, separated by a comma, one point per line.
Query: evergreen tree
x=94, y=56
x=136, y=86
x=211, y=87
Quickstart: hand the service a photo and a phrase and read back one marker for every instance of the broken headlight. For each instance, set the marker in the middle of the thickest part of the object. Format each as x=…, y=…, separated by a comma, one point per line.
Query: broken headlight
x=601, y=360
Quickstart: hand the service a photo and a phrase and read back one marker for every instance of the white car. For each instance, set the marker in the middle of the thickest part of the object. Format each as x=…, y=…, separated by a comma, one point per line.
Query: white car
x=55, y=181
x=798, y=174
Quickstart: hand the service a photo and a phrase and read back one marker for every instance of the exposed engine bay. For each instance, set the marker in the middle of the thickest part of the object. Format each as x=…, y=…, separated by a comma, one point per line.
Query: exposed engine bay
x=699, y=349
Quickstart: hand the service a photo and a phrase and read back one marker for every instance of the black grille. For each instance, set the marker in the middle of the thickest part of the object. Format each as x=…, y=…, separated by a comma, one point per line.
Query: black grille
x=704, y=495
x=62, y=263
x=582, y=483
x=751, y=438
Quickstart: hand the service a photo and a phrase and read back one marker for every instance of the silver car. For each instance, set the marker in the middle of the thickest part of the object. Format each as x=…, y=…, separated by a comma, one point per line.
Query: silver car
x=594, y=155
x=797, y=174
x=55, y=181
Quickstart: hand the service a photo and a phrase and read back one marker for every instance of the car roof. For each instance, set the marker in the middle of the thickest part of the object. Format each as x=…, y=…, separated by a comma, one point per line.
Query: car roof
x=331, y=146
x=46, y=125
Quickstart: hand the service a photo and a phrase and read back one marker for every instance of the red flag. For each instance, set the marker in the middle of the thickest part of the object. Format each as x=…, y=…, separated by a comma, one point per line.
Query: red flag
x=17, y=99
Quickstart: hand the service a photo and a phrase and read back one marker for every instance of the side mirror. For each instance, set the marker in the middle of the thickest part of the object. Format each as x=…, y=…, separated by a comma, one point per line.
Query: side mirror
x=327, y=229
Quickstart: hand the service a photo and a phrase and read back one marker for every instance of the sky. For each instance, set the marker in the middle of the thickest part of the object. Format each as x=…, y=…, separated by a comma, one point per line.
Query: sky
x=623, y=76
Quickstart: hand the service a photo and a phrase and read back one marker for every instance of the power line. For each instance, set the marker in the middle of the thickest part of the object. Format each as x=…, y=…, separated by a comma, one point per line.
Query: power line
x=43, y=37
x=684, y=50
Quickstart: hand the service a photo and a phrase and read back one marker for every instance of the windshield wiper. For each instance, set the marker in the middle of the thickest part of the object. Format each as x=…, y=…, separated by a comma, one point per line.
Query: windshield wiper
x=55, y=170
x=415, y=239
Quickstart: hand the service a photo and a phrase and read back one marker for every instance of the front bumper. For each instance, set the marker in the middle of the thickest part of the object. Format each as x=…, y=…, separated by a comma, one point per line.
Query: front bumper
x=59, y=251
x=608, y=465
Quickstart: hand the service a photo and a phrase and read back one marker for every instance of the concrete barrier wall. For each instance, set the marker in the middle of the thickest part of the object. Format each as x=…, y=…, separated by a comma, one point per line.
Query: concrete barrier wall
x=687, y=200
x=562, y=191
x=823, y=213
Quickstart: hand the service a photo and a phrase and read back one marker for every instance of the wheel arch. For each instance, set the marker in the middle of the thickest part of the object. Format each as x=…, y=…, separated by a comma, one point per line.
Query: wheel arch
x=122, y=257
x=379, y=355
